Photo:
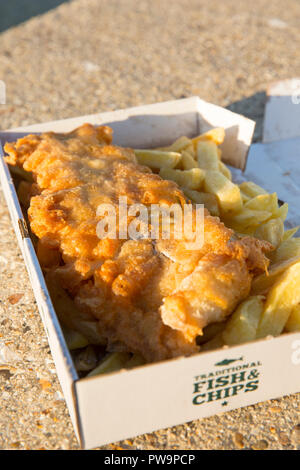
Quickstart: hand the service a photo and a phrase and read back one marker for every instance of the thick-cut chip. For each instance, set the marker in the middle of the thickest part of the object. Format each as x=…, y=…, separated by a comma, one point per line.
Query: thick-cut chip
x=217, y=135
x=283, y=297
x=157, y=158
x=74, y=339
x=187, y=161
x=215, y=343
x=179, y=144
x=293, y=323
x=225, y=170
x=251, y=189
x=210, y=332
x=282, y=211
x=136, y=360
x=191, y=179
x=264, y=202
x=247, y=220
x=190, y=149
x=245, y=198
x=272, y=231
x=228, y=194
x=111, y=363
x=261, y=284
x=86, y=359
x=242, y=325
x=209, y=200
x=207, y=155
x=290, y=233
x=287, y=249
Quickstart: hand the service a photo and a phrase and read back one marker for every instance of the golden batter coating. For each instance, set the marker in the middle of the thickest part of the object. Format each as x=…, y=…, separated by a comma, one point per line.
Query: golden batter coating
x=148, y=296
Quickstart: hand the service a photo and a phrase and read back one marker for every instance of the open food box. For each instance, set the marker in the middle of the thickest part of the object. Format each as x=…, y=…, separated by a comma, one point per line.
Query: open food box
x=123, y=404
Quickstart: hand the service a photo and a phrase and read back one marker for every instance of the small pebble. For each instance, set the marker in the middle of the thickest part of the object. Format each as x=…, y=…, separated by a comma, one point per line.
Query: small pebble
x=14, y=299
x=275, y=409
x=284, y=439
x=45, y=384
x=260, y=445
x=238, y=440
x=295, y=435
x=16, y=445
x=5, y=374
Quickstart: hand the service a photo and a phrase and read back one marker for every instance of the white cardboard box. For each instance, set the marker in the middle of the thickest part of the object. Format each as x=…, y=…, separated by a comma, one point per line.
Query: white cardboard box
x=124, y=404
x=282, y=112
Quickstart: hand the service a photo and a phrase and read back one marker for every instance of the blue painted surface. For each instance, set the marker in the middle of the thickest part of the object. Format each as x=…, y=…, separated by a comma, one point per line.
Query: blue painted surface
x=14, y=12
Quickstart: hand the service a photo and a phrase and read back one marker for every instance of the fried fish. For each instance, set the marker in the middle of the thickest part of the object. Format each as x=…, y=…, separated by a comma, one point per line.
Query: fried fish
x=151, y=297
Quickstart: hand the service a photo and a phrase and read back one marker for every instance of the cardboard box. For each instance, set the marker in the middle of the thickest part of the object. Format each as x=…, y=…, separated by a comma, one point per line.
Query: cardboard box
x=124, y=404
x=282, y=112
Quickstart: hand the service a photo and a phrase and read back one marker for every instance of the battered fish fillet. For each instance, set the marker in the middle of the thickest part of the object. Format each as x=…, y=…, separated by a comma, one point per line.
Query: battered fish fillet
x=151, y=297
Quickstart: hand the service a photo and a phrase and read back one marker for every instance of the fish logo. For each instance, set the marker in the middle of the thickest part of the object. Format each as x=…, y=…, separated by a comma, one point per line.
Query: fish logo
x=225, y=362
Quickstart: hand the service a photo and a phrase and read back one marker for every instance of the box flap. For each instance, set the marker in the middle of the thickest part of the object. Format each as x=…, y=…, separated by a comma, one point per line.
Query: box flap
x=282, y=112
x=159, y=124
x=238, y=132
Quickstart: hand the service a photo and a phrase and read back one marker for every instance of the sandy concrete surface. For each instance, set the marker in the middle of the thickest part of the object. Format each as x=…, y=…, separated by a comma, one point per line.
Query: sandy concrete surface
x=89, y=56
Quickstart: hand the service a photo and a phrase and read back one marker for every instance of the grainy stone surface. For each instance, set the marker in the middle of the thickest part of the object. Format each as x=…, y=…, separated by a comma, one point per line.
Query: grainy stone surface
x=88, y=56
